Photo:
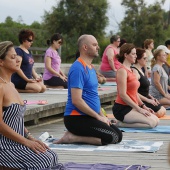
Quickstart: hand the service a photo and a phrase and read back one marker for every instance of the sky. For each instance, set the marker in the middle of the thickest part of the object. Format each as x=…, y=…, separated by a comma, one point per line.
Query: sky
x=33, y=10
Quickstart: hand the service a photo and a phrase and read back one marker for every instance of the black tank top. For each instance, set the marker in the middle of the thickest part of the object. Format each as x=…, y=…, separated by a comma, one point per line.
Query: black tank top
x=144, y=84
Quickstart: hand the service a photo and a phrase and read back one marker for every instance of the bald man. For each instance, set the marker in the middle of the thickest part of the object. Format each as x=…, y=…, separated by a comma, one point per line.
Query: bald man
x=83, y=117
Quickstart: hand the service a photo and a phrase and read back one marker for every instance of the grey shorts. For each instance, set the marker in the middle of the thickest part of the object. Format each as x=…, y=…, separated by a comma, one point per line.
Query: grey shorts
x=108, y=74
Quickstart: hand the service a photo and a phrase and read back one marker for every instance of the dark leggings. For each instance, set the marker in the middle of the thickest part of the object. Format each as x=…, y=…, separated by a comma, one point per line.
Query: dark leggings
x=55, y=81
x=91, y=127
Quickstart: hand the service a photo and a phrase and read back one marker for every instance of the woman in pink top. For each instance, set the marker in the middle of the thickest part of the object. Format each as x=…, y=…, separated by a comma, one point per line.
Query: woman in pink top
x=110, y=64
x=53, y=76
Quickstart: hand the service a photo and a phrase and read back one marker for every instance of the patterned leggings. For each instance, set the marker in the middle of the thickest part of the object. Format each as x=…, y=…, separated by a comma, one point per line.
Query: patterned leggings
x=91, y=127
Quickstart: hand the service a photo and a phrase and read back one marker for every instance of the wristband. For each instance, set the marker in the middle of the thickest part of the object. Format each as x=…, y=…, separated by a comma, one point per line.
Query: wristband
x=28, y=134
x=142, y=105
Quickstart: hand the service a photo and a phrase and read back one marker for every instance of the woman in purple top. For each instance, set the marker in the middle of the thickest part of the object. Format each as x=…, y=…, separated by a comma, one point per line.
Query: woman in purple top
x=26, y=80
x=53, y=76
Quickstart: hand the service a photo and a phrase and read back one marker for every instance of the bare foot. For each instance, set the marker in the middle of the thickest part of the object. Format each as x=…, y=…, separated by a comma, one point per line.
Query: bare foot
x=67, y=138
x=113, y=121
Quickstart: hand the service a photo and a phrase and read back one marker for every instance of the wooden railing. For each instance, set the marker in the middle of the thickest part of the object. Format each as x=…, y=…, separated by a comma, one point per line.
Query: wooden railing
x=38, y=54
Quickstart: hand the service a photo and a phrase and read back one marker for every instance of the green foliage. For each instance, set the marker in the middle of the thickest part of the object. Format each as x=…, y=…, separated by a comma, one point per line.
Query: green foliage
x=9, y=32
x=142, y=22
x=73, y=18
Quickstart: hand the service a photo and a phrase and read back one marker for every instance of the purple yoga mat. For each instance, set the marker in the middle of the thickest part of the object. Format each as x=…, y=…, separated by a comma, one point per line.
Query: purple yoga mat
x=98, y=166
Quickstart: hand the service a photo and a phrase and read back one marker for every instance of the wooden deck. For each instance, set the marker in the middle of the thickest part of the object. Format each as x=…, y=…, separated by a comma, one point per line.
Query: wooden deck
x=157, y=161
x=56, y=99
x=51, y=118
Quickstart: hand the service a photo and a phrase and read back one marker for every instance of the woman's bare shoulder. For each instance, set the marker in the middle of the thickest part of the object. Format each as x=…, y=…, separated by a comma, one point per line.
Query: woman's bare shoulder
x=121, y=70
x=2, y=90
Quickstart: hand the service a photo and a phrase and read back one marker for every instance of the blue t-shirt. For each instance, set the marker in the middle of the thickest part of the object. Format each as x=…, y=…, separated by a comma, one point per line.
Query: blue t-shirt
x=26, y=65
x=82, y=77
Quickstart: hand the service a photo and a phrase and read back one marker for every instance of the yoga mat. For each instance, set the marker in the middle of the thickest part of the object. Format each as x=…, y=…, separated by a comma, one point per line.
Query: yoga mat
x=167, y=108
x=109, y=84
x=99, y=166
x=165, y=117
x=39, y=102
x=125, y=146
x=158, y=129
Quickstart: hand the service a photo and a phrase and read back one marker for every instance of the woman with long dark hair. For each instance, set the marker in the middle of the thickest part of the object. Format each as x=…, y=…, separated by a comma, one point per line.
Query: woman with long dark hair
x=53, y=76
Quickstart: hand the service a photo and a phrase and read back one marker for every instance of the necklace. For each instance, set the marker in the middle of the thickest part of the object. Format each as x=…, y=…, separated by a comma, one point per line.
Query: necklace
x=3, y=80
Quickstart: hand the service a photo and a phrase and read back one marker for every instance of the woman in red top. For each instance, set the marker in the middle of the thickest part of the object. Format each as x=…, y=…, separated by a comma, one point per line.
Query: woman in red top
x=110, y=64
x=128, y=109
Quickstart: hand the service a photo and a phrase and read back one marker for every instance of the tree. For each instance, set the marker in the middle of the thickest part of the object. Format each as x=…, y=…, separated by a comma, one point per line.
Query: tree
x=142, y=22
x=9, y=31
x=9, y=21
x=36, y=25
x=73, y=18
x=20, y=20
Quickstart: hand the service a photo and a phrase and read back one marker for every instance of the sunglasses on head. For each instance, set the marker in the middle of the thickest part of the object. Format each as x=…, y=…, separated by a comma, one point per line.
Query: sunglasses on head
x=29, y=40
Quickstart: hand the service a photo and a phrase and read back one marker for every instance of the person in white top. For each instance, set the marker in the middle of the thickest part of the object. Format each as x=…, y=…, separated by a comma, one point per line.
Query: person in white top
x=148, y=46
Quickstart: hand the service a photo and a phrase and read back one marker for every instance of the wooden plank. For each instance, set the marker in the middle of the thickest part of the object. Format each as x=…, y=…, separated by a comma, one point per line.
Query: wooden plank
x=157, y=161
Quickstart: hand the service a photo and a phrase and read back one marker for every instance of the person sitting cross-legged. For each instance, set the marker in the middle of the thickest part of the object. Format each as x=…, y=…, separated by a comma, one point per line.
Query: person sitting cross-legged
x=26, y=80
x=18, y=148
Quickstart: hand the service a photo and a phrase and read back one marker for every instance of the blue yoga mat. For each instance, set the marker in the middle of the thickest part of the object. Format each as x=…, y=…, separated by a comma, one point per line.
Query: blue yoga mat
x=124, y=146
x=109, y=84
x=158, y=129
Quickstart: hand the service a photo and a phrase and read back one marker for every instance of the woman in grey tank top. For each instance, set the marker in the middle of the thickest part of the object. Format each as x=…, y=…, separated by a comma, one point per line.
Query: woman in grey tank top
x=159, y=79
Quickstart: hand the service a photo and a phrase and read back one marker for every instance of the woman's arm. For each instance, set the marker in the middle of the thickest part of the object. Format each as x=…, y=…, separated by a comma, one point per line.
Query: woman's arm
x=146, y=71
x=52, y=71
x=110, y=55
x=148, y=100
x=156, y=79
x=34, y=74
x=63, y=74
x=158, y=85
x=22, y=75
x=143, y=98
x=49, y=68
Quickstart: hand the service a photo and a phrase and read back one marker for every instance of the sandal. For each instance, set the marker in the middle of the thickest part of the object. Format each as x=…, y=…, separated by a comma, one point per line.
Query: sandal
x=42, y=102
